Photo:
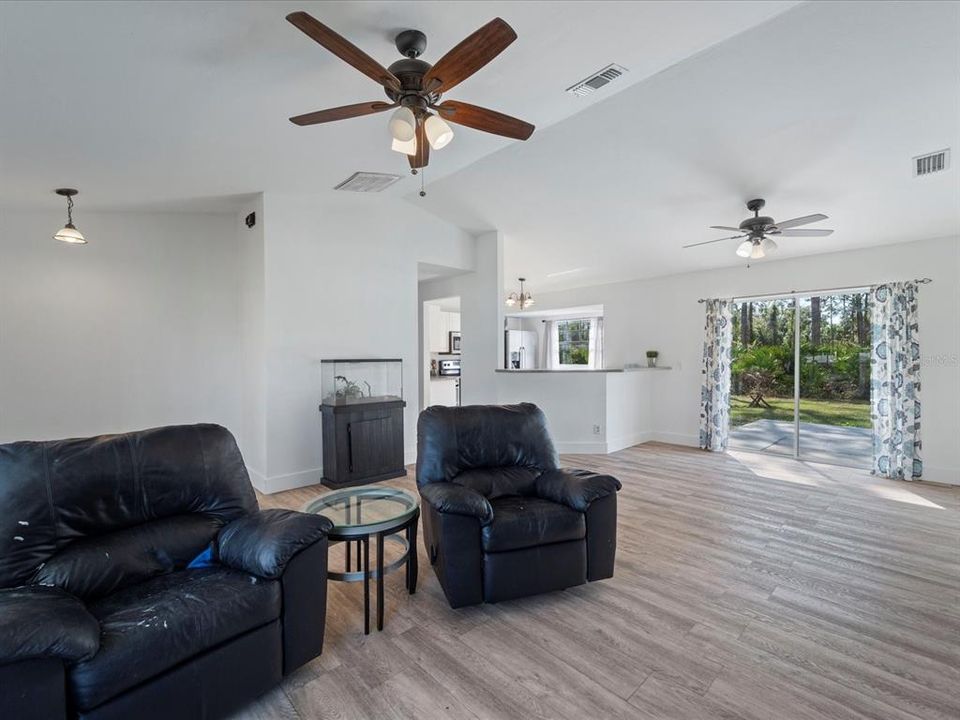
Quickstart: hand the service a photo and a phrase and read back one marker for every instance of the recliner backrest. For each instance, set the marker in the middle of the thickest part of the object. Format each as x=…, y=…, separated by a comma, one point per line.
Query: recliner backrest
x=109, y=505
x=455, y=440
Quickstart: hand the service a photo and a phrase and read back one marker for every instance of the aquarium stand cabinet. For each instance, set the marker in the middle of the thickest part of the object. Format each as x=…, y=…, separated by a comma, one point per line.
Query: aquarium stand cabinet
x=362, y=442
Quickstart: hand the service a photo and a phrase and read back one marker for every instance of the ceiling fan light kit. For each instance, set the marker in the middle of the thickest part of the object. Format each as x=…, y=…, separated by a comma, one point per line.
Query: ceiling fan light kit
x=755, y=232
x=414, y=88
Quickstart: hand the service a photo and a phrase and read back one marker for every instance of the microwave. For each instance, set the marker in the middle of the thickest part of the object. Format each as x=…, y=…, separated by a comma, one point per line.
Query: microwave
x=449, y=367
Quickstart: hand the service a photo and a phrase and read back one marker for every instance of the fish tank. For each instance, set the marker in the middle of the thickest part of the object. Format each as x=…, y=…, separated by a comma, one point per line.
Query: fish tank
x=358, y=382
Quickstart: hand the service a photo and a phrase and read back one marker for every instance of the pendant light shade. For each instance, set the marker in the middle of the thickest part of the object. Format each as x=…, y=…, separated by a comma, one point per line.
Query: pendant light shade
x=409, y=147
x=745, y=248
x=757, y=252
x=403, y=125
x=768, y=245
x=69, y=233
x=438, y=132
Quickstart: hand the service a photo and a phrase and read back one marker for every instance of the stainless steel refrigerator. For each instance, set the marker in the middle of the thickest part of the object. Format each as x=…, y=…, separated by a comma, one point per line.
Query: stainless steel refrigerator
x=520, y=348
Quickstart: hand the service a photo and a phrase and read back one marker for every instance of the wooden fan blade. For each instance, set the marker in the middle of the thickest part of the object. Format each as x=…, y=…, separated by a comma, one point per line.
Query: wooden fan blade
x=725, y=227
x=708, y=242
x=469, y=56
x=480, y=118
x=805, y=233
x=341, y=113
x=805, y=220
x=343, y=49
x=422, y=157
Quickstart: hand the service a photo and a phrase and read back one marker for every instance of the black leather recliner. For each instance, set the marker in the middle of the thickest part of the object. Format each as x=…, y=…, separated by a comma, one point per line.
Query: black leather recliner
x=501, y=519
x=100, y=615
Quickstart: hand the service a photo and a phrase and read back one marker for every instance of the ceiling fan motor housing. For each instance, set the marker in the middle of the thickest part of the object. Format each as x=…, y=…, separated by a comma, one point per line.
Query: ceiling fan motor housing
x=410, y=72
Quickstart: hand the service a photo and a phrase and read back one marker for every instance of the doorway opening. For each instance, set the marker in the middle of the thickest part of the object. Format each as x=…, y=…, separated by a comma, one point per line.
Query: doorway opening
x=800, y=377
x=441, y=352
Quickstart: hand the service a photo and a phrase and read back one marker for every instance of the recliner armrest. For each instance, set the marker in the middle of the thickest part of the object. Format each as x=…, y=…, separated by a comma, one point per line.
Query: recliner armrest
x=37, y=621
x=454, y=499
x=263, y=542
x=575, y=488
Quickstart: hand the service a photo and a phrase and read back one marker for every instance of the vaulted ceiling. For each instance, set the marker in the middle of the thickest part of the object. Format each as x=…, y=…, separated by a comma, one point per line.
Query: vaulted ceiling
x=816, y=107
x=183, y=104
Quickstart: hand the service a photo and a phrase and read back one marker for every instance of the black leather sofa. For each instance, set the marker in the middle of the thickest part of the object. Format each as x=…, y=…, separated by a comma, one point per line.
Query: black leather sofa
x=501, y=519
x=100, y=615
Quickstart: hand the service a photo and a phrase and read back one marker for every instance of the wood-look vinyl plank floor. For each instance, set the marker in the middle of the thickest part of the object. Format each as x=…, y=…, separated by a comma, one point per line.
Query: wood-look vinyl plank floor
x=747, y=587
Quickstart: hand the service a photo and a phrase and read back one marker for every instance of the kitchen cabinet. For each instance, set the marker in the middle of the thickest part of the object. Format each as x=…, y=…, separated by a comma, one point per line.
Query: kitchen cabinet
x=440, y=324
x=444, y=391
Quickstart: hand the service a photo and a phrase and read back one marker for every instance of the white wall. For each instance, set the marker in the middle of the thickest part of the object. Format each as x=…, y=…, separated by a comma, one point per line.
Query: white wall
x=253, y=347
x=138, y=328
x=663, y=314
x=340, y=281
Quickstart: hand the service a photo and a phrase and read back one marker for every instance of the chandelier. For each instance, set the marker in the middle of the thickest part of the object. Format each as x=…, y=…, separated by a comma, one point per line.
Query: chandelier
x=523, y=299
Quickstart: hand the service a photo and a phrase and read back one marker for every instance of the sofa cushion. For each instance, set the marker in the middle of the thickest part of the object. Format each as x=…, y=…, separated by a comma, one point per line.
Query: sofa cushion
x=520, y=522
x=149, y=628
x=97, y=566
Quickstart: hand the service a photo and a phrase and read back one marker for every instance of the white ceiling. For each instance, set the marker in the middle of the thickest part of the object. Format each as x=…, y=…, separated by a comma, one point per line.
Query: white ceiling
x=818, y=110
x=184, y=105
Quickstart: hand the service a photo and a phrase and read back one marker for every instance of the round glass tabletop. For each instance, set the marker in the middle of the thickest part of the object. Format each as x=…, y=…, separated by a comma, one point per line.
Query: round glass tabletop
x=364, y=509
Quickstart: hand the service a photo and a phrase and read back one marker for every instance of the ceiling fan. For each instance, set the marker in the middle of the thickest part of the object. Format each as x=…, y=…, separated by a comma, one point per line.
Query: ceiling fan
x=755, y=231
x=414, y=87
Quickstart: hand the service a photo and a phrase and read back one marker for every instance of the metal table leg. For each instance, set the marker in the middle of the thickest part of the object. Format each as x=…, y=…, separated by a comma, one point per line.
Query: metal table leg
x=380, y=581
x=412, y=560
x=366, y=585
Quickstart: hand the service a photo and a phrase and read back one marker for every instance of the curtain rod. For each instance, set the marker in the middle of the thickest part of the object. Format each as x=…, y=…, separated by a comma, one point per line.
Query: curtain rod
x=792, y=293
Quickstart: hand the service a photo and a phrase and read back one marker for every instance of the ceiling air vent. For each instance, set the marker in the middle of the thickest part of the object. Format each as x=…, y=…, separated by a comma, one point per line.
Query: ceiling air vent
x=597, y=80
x=931, y=163
x=367, y=182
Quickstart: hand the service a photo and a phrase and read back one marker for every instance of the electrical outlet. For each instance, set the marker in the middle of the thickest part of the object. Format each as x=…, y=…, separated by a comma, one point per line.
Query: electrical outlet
x=596, y=429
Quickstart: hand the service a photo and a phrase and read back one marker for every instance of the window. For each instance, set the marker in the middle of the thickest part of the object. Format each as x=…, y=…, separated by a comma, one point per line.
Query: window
x=573, y=342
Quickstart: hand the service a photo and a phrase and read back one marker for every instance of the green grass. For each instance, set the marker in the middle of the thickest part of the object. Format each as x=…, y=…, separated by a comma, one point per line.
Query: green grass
x=845, y=413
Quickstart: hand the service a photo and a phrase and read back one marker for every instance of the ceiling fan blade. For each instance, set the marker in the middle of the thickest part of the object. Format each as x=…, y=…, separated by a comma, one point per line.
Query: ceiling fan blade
x=804, y=233
x=480, y=118
x=805, y=220
x=469, y=56
x=341, y=113
x=725, y=227
x=708, y=242
x=422, y=157
x=343, y=49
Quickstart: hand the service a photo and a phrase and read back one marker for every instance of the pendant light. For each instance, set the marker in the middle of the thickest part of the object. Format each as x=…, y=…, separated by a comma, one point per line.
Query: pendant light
x=69, y=233
x=408, y=147
x=523, y=299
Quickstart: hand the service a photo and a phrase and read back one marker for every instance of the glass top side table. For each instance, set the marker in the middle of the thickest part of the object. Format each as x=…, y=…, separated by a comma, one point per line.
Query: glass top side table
x=360, y=512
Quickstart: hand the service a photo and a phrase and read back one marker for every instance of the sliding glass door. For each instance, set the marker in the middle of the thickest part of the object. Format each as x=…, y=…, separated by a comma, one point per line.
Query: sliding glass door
x=800, y=380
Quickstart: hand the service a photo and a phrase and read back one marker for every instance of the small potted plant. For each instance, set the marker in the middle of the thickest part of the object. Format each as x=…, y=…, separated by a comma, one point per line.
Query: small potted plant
x=652, y=358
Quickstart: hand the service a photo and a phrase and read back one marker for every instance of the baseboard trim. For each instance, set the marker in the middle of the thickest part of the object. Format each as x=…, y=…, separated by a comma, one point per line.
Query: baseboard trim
x=624, y=443
x=290, y=481
x=941, y=475
x=675, y=439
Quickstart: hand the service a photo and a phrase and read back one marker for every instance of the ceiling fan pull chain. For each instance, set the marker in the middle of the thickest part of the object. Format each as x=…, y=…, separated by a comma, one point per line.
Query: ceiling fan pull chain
x=423, y=193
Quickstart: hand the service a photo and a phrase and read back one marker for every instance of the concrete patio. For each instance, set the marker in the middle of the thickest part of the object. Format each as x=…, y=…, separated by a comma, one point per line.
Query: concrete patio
x=847, y=446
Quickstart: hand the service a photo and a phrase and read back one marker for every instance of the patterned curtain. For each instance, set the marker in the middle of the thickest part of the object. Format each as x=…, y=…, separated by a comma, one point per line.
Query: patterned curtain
x=715, y=391
x=895, y=381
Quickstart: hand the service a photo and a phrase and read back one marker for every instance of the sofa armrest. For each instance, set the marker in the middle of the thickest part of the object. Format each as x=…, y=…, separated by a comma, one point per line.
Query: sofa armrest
x=263, y=542
x=37, y=621
x=575, y=488
x=450, y=498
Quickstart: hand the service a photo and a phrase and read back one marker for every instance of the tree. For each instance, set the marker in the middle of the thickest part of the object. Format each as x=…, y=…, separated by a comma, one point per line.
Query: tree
x=815, y=321
x=746, y=323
